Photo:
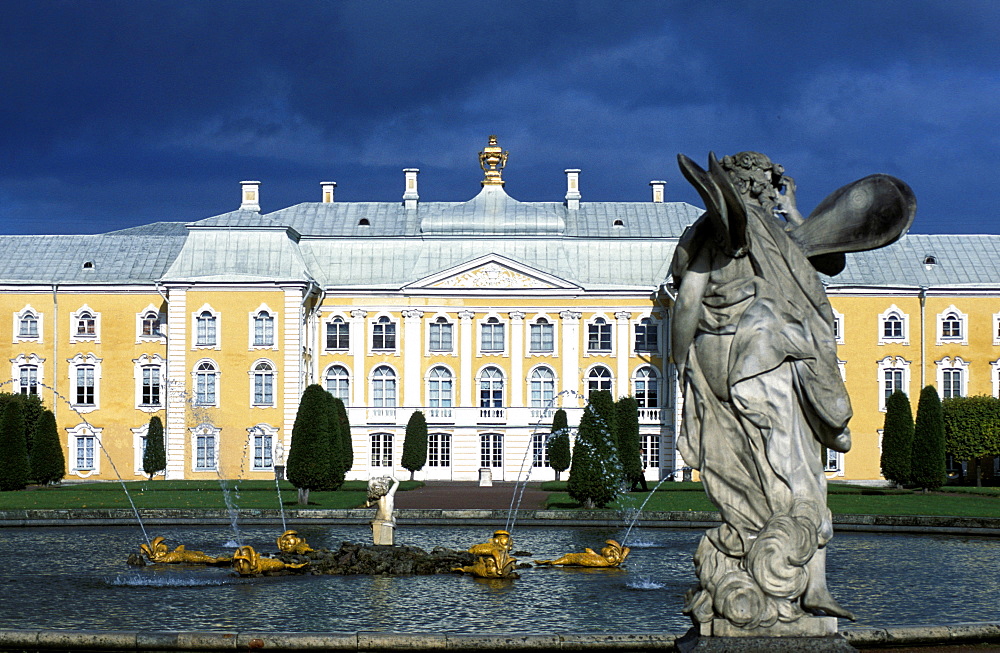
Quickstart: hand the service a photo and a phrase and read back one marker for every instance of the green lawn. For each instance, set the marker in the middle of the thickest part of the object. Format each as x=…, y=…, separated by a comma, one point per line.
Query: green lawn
x=206, y=495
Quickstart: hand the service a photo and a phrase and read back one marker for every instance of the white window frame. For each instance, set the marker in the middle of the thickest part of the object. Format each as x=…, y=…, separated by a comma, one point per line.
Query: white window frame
x=139, y=434
x=205, y=430
x=195, y=316
x=272, y=374
x=551, y=323
x=607, y=322
x=590, y=370
x=995, y=377
x=395, y=386
x=439, y=449
x=340, y=320
x=217, y=373
x=435, y=322
x=267, y=431
x=491, y=450
x=838, y=326
x=539, y=450
x=138, y=366
x=347, y=377
x=384, y=319
x=430, y=380
x=963, y=326
x=140, y=319
x=503, y=387
x=833, y=464
x=84, y=430
x=74, y=319
x=948, y=364
x=894, y=311
x=75, y=363
x=30, y=360
x=377, y=454
x=645, y=321
x=651, y=450
x=39, y=323
x=892, y=363
x=494, y=321
x=996, y=328
x=252, y=328
x=547, y=386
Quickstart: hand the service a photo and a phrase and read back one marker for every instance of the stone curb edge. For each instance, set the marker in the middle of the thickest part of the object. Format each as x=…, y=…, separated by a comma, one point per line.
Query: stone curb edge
x=99, y=640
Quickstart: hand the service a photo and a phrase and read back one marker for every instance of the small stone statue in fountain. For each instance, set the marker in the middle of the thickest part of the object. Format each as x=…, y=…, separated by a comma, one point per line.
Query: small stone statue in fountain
x=757, y=360
x=381, y=493
x=613, y=555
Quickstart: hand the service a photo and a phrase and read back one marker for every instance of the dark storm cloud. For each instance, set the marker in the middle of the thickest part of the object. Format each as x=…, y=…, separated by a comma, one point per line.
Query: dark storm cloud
x=114, y=114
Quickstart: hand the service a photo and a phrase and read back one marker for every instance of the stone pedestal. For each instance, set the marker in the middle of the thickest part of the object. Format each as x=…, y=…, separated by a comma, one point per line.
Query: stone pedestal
x=384, y=532
x=803, y=627
x=813, y=634
x=485, y=477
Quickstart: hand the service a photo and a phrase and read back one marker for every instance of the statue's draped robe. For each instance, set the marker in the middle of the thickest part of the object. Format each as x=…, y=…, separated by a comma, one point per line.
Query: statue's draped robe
x=759, y=450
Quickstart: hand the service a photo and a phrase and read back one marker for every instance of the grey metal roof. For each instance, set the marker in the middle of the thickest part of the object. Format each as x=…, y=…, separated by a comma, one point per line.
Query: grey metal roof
x=961, y=260
x=238, y=254
x=115, y=258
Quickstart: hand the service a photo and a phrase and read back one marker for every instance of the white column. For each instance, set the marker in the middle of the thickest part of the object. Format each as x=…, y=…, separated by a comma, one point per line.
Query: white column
x=622, y=353
x=570, y=354
x=292, y=374
x=359, y=339
x=466, y=342
x=177, y=383
x=516, y=359
x=412, y=344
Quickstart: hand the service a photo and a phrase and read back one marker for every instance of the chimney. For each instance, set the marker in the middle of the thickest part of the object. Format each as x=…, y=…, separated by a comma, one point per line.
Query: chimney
x=658, y=186
x=328, y=189
x=410, y=196
x=572, y=189
x=251, y=196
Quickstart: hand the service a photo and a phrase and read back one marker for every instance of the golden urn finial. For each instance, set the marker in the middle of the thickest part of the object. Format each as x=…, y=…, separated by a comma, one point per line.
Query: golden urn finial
x=492, y=160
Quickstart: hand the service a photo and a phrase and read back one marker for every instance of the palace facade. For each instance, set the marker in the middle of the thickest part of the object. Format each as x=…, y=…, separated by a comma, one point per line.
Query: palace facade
x=487, y=315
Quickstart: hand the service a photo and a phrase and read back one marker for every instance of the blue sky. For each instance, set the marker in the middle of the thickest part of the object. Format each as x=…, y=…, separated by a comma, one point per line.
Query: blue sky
x=114, y=114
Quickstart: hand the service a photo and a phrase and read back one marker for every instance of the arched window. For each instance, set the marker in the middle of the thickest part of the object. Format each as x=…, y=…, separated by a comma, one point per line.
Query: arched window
x=338, y=383
x=599, y=379
x=205, y=381
x=439, y=388
x=440, y=335
x=543, y=387
x=28, y=325
x=951, y=326
x=892, y=326
x=383, y=387
x=263, y=384
x=647, y=388
x=206, y=335
x=491, y=388
x=151, y=324
x=381, y=449
x=491, y=450
x=263, y=330
x=86, y=324
x=338, y=334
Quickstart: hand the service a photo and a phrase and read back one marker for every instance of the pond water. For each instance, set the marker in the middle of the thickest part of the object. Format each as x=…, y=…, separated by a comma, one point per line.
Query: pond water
x=77, y=578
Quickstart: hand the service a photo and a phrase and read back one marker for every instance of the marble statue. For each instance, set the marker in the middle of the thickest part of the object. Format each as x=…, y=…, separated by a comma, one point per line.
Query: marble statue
x=292, y=542
x=494, y=559
x=247, y=562
x=157, y=551
x=382, y=494
x=763, y=396
x=613, y=555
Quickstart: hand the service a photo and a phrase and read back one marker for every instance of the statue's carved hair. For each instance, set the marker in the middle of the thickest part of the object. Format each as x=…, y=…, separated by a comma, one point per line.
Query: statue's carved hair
x=755, y=176
x=378, y=487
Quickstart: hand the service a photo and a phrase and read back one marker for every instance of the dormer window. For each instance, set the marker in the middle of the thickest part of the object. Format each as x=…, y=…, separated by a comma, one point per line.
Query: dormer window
x=618, y=223
x=363, y=222
x=930, y=260
x=88, y=265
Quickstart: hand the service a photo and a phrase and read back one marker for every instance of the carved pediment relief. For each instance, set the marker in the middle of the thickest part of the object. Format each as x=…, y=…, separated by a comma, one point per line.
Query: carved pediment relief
x=492, y=272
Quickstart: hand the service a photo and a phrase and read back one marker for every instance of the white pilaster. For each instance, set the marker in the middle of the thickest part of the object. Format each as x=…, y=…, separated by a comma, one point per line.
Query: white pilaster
x=570, y=342
x=466, y=343
x=516, y=359
x=291, y=377
x=622, y=353
x=175, y=431
x=411, y=344
x=359, y=344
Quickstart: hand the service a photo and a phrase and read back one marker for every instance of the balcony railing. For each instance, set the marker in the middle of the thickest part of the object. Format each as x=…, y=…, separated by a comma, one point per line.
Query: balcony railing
x=382, y=415
x=441, y=415
x=649, y=415
x=493, y=415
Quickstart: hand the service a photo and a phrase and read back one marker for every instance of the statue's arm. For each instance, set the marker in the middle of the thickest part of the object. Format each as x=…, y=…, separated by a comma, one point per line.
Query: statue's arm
x=392, y=490
x=688, y=307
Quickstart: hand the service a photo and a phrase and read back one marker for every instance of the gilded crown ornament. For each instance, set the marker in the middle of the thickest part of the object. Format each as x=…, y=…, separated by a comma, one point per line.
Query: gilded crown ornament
x=492, y=160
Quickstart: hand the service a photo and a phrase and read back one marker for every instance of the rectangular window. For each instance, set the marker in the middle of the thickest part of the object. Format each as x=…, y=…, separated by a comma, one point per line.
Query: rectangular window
x=951, y=384
x=205, y=451
x=646, y=336
x=892, y=328
x=262, y=448
x=338, y=334
x=28, y=327
x=491, y=450
x=833, y=461
x=492, y=337
x=205, y=389
x=384, y=335
x=263, y=331
x=382, y=450
x=151, y=386
x=599, y=336
x=439, y=450
x=206, y=330
x=892, y=381
x=650, y=450
x=542, y=337
x=539, y=452
x=85, y=386
x=263, y=389
x=440, y=337
x=85, y=452
x=28, y=380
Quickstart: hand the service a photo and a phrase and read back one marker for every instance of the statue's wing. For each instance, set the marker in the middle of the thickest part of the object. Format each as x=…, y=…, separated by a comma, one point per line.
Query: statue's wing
x=723, y=206
x=867, y=214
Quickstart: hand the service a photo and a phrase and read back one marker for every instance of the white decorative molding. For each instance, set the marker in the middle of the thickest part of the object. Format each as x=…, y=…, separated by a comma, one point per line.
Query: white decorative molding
x=76, y=434
x=39, y=337
x=838, y=321
x=218, y=328
x=76, y=362
x=904, y=338
x=140, y=337
x=963, y=327
x=892, y=363
x=251, y=328
x=953, y=364
x=74, y=330
x=491, y=275
x=138, y=364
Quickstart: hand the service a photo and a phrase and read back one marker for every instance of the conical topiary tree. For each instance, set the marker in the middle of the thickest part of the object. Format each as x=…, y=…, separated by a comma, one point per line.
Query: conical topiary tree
x=595, y=474
x=629, y=444
x=47, y=462
x=335, y=444
x=558, y=443
x=897, y=438
x=927, y=468
x=308, y=465
x=415, y=443
x=154, y=458
x=13, y=448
